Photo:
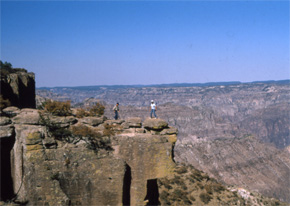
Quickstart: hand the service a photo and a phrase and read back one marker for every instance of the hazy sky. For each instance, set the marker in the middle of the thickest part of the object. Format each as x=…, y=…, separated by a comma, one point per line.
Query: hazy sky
x=78, y=43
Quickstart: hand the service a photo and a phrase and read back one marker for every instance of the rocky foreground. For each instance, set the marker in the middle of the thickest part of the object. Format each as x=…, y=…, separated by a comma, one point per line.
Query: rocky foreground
x=103, y=162
x=53, y=160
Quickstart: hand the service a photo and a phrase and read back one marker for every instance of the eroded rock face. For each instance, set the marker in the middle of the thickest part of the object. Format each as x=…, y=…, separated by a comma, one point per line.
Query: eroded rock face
x=19, y=89
x=49, y=171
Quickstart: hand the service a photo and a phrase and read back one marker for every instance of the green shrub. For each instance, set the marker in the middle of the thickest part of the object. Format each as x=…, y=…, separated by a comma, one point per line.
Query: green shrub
x=183, y=186
x=81, y=113
x=191, y=198
x=54, y=129
x=200, y=185
x=60, y=133
x=191, y=180
x=84, y=131
x=55, y=176
x=165, y=182
x=196, y=175
x=95, y=138
x=96, y=110
x=176, y=180
x=186, y=200
x=218, y=187
x=208, y=189
x=178, y=195
x=181, y=170
x=164, y=195
x=109, y=130
x=205, y=197
x=58, y=108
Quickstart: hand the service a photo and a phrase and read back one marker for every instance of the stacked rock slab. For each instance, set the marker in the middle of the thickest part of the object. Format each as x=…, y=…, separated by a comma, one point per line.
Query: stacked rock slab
x=46, y=171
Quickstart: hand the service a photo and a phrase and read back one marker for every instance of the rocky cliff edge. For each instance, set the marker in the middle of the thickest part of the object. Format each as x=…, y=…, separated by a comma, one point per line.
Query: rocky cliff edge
x=47, y=161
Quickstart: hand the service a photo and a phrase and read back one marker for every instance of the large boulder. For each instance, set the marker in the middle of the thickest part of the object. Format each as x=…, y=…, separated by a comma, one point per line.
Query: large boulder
x=93, y=121
x=169, y=131
x=4, y=120
x=27, y=116
x=11, y=111
x=133, y=122
x=63, y=121
x=155, y=124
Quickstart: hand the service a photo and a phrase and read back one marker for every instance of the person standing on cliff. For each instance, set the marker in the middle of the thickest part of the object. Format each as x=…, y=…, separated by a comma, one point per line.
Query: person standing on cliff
x=116, y=110
x=153, y=109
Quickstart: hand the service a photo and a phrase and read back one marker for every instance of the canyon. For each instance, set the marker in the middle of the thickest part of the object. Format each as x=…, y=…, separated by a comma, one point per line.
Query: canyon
x=238, y=133
x=232, y=146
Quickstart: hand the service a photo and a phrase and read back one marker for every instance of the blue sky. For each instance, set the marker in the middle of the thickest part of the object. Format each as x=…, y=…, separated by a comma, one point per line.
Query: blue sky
x=78, y=43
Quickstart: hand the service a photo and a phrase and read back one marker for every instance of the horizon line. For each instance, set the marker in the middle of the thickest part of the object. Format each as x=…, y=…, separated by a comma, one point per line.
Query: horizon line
x=171, y=84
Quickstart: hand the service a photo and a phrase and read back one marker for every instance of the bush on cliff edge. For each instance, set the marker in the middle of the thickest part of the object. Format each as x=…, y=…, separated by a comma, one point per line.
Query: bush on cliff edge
x=58, y=108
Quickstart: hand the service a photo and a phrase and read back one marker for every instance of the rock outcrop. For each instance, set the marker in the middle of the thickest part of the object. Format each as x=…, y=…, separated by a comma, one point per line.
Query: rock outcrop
x=120, y=165
x=19, y=89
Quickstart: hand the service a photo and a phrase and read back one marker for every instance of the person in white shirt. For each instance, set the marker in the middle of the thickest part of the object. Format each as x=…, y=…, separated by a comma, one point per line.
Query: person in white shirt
x=153, y=109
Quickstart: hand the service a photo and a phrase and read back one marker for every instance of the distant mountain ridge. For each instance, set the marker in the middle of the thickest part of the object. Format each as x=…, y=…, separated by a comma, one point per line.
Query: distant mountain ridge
x=286, y=81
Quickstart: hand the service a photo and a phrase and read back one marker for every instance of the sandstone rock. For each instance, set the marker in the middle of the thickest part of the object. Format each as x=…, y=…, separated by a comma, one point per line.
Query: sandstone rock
x=6, y=131
x=133, y=122
x=169, y=131
x=4, y=120
x=140, y=130
x=93, y=121
x=155, y=124
x=66, y=173
x=19, y=158
x=63, y=121
x=34, y=147
x=114, y=122
x=27, y=116
x=34, y=138
x=172, y=138
x=11, y=111
x=148, y=157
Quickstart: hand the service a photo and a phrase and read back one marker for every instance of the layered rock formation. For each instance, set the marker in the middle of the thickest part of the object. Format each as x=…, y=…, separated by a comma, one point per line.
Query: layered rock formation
x=19, y=89
x=116, y=163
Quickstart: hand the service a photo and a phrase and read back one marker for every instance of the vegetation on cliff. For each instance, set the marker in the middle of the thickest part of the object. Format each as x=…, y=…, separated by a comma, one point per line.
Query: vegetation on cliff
x=189, y=186
x=60, y=121
x=6, y=68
